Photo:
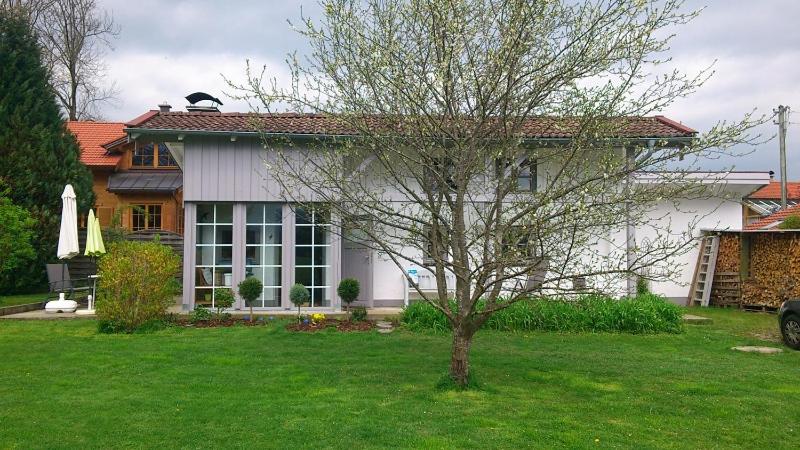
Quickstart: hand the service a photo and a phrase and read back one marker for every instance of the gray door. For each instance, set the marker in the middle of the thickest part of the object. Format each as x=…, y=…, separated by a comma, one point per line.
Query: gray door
x=357, y=263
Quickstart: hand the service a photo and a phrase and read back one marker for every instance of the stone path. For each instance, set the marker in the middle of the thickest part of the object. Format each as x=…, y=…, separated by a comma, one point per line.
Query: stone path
x=385, y=327
x=691, y=319
x=755, y=349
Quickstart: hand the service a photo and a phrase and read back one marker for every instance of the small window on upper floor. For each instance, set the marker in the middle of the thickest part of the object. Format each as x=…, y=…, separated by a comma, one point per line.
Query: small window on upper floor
x=149, y=154
x=523, y=172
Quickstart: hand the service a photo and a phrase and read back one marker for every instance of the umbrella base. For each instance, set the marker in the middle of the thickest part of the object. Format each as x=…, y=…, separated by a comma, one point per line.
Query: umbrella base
x=61, y=306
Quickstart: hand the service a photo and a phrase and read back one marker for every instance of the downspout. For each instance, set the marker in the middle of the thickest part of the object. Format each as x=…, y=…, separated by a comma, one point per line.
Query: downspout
x=630, y=229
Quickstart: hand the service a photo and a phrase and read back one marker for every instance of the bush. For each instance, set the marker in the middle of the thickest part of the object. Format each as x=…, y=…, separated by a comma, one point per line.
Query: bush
x=358, y=314
x=137, y=284
x=348, y=290
x=644, y=314
x=299, y=295
x=223, y=299
x=642, y=286
x=790, y=223
x=250, y=289
x=17, y=229
x=199, y=314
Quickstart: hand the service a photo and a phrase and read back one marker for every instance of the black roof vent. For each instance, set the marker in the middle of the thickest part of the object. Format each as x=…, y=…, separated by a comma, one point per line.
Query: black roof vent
x=199, y=97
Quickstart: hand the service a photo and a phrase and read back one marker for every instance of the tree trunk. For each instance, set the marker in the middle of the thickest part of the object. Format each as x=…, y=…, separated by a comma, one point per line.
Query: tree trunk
x=251, y=312
x=459, y=360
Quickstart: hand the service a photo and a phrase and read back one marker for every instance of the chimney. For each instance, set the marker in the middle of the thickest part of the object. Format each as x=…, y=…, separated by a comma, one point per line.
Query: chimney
x=771, y=175
x=164, y=107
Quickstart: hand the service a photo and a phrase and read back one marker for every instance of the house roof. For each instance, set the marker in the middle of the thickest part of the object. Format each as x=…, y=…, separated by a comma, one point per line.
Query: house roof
x=92, y=136
x=152, y=181
x=773, y=220
x=315, y=124
x=772, y=191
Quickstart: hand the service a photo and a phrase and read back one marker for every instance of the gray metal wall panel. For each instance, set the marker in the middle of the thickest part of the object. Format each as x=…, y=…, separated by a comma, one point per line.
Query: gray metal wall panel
x=189, y=218
x=217, y=169
x=226, y=169
x=239, y=219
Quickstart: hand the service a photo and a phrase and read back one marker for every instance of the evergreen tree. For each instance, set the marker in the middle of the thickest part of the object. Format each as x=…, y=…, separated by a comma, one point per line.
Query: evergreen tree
x=37, y=154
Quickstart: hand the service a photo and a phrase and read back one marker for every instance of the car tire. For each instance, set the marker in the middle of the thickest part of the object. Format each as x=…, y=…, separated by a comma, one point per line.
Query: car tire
x=790, y=330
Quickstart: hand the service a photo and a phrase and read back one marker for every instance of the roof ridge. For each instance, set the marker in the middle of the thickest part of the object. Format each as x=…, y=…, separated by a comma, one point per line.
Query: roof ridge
x=677, y=125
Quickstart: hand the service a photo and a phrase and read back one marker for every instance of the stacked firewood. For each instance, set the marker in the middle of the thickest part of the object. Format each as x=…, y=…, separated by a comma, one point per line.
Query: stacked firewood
x=774, y=270
x=729, y=253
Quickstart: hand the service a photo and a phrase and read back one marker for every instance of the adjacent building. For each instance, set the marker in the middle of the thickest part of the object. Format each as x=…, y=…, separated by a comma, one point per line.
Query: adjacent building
x=137, y=183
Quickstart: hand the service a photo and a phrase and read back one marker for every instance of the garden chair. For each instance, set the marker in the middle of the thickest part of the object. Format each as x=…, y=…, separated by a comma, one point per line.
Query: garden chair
x=533, y=283
x=59, y=281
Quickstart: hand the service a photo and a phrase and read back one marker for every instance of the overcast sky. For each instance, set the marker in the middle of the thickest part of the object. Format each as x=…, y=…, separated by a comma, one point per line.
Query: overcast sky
x=168, y=49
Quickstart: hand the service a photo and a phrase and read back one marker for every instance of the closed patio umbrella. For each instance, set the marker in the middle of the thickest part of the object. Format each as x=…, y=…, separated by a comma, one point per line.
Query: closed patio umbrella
x=67, y=245
x=94, y=248
x=94, y=237
x=68, y=236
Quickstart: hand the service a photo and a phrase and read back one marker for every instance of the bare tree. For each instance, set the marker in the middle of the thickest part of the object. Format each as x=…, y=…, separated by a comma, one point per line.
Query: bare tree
x=74, y=35
x=437, y=99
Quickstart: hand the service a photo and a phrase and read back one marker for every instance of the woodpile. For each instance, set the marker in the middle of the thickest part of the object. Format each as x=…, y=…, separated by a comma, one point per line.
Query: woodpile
x=774, y=270
x=729, y=253
x=726, y=290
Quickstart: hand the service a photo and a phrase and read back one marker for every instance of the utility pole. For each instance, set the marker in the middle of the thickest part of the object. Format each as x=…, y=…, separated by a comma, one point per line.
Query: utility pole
x=781, y=112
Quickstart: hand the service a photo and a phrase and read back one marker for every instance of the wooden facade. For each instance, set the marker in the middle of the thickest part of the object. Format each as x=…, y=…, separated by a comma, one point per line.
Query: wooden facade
x=106, y=151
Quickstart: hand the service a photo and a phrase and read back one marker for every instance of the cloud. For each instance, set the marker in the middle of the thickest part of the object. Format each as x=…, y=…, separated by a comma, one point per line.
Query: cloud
x=169, y=49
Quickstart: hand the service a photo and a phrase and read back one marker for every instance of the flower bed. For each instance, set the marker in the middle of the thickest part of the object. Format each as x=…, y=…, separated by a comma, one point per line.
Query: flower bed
x=339, y=325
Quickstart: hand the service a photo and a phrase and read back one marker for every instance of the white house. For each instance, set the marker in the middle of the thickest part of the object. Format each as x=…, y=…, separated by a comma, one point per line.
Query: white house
x=238, y=224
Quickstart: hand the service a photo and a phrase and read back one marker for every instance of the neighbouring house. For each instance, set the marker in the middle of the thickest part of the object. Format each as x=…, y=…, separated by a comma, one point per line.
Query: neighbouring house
x=237, y=222
x=767, y=200
x=136, y=180
x=772, y=221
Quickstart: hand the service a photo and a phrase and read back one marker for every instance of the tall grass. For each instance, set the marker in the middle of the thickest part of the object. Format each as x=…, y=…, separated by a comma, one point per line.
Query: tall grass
x=644, y=314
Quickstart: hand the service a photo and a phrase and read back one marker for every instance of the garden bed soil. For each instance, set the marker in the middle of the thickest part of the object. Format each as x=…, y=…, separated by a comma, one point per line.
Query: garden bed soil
x=339, y=325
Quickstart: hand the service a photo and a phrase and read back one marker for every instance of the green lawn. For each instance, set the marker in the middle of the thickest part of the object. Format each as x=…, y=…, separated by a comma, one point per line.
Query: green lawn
x=64, y=385
x=21, y=299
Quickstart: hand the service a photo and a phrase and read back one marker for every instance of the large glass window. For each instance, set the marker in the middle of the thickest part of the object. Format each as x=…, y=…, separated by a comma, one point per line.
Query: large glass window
x=263, y=250
x=213, y=250
x=312, y=252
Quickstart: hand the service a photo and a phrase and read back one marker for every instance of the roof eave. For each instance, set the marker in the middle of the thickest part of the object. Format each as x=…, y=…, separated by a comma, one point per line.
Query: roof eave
x=133, y=131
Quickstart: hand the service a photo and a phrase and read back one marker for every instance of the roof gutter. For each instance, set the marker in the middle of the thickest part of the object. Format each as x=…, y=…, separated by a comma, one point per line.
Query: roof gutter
x=674, y=140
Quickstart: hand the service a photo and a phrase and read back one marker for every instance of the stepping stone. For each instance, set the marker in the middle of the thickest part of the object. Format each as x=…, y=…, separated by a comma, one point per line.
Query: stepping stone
x=385, y=330
x=691, y=319
x=385, y=325
x=755, y=349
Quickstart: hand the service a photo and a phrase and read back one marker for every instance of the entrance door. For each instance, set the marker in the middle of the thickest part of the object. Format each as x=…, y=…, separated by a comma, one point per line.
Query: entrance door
x=357, y=263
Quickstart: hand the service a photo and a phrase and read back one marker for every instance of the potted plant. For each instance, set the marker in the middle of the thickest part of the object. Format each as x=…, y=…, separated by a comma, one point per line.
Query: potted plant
x=348, y=291
x=250, y=289
x=299, y=295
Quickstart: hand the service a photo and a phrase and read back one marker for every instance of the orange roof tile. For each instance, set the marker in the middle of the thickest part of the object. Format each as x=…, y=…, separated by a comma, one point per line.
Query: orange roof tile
x=765, y=222
x=772, y=191
x=91, y=136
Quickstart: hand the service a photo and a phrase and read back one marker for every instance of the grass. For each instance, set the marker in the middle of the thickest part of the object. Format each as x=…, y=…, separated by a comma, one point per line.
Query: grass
x=64, y=385
x=21, y=299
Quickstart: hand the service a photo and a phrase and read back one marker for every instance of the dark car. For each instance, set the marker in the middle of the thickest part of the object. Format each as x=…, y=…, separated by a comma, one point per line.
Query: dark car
x=789, y=318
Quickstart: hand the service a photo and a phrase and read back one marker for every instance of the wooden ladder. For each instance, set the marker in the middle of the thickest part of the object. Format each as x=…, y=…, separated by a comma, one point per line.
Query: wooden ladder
x=700, y=293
